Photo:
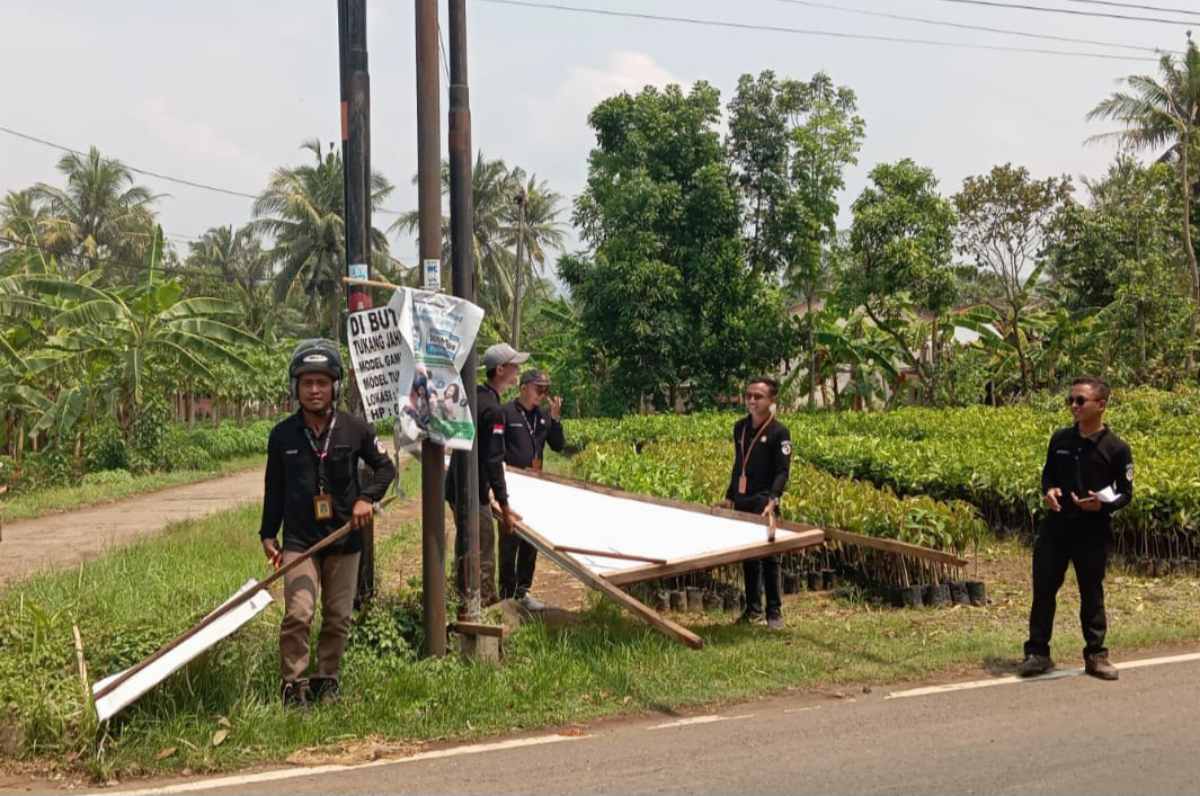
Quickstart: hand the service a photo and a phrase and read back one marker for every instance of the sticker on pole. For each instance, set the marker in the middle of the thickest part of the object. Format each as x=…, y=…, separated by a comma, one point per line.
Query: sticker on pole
x=407, y=358
x=433, y=275
x=359, y=271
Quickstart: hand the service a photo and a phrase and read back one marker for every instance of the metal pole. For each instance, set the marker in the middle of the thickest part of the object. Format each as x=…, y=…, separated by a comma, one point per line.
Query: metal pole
x=465, y=463
x=429, y=207
x=356, y=168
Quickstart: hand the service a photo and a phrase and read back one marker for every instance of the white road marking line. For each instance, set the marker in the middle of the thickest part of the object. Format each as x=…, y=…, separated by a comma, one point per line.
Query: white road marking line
x=697, y=720
x=240, y=781
x=1057, y=674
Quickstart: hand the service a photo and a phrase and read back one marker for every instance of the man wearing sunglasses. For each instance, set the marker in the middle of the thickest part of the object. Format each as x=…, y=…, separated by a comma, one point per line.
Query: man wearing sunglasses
x=762, y=460
x=526, y=431
x=1088, y=476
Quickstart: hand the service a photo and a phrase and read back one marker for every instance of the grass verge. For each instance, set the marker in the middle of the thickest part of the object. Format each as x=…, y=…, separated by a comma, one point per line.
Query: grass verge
x=222, y=711
x=42, y=502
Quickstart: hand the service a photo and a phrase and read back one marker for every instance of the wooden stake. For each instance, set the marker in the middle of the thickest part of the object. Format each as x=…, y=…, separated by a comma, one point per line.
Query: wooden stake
x=370, y=283
x=83, y=677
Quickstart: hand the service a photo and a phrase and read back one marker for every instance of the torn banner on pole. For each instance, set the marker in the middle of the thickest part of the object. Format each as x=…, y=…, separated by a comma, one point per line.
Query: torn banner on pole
x=407, y=356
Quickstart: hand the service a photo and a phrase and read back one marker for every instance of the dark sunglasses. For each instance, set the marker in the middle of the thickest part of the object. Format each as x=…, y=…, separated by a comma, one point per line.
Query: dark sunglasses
x=762, y=396
x=1077, y=400
x=541, y=389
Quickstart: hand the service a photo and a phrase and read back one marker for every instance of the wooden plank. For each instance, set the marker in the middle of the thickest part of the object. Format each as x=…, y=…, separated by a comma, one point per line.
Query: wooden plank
x=878, y=543
x=592, y=580
x=584, y=551
x=476, y=629
x=893, y=546
x=719, y=558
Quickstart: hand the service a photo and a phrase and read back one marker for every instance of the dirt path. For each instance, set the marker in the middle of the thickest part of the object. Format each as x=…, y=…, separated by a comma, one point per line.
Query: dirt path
x=62, y=540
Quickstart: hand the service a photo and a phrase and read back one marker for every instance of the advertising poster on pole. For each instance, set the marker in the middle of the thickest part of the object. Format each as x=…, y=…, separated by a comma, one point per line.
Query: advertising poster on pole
x=407, y=358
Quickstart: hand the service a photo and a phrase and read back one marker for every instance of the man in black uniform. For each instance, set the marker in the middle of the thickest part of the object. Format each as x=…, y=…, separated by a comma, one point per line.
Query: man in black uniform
x=1088, y=475
x=502, y=364
x=761, y=465
x=312, y=488
x=526, y=432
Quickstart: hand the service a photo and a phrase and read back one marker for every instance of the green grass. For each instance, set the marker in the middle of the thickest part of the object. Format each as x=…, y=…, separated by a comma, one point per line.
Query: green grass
x=39, y=503
x=132, y=600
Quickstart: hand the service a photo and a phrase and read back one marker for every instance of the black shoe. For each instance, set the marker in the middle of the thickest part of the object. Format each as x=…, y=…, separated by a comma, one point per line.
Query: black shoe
x=1099, y=666
x=1035, y=665
x=324, y=690
x=774, y=622
x=296, y=694
x=750, y=618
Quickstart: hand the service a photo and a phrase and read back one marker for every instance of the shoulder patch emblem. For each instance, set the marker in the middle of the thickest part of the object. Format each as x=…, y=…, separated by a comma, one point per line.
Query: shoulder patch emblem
x=379, y=446
x=1129, y=473
x=786, y=447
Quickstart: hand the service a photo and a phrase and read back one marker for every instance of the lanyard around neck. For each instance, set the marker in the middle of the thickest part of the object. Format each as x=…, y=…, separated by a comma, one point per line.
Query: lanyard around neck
x=760, y=432
x=323, y=452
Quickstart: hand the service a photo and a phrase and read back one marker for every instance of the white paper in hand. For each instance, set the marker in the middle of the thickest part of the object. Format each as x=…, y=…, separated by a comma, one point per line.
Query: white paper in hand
x=1108, y=495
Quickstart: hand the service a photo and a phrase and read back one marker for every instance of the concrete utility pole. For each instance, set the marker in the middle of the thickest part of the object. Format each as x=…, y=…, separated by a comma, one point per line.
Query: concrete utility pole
x=356, y=171
x=429, y=208
x=462, y=253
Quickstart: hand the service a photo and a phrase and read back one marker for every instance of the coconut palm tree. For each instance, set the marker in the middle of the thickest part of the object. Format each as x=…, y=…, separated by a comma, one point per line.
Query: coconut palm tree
x=101, y=217
x=303, y=210
x=496, y=230
x=1164, y=115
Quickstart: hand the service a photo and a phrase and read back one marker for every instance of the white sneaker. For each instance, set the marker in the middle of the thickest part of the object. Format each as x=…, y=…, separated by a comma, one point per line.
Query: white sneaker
x=531, y=603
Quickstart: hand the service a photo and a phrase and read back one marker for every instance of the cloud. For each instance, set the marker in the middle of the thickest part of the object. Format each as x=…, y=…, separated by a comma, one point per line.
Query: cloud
x=561, y=118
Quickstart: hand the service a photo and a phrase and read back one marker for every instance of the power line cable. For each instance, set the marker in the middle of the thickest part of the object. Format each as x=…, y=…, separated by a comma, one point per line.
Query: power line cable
x=146, y=172
x=964, y=26
x=1070, y=11
x=714, y=23
x=1110, y=4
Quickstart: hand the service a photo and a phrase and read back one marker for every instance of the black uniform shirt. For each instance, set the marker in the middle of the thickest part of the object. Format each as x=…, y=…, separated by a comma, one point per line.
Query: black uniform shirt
x=292, y=480
x=526, y=434
x=489, y=441
x=768, y=467
x=1079, y=464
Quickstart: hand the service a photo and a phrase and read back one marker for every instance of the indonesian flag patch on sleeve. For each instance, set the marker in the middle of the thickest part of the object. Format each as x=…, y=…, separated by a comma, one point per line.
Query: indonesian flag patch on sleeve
x=498, y=428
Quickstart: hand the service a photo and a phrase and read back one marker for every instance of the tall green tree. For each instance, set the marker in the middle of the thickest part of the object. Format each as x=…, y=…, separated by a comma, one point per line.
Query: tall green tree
x=898, y=264
x=101, y=217
x=303, y=211
x=664, y=292
x=1006, y=224
x=825, y=135
x=758, y=150
x=1163, y=115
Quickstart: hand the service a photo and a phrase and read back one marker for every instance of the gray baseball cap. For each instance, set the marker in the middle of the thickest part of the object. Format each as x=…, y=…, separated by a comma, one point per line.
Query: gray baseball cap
x=534, y=376
x=503, y=354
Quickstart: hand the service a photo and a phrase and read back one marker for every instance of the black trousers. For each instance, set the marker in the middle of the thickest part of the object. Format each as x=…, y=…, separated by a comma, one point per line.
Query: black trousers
x=487, y=558
x=1057, y=545
x=762, y=575
x=518, y=558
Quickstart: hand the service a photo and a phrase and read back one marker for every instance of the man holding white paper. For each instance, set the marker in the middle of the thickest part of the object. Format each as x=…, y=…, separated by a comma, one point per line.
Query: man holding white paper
x=1087, y=477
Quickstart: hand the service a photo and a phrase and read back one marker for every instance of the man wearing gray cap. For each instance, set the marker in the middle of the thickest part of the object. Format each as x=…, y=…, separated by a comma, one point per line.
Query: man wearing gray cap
x=527, y=430
x=502, y=364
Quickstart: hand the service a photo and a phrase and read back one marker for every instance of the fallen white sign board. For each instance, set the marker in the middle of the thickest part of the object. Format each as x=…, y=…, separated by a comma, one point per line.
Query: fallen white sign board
x=157, y=670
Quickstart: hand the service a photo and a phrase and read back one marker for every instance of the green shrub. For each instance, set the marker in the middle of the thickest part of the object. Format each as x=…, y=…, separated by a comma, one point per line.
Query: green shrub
x=104, y=446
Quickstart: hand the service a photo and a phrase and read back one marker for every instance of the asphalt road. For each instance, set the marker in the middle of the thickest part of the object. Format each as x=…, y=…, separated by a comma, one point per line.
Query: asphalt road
x=1072, y=734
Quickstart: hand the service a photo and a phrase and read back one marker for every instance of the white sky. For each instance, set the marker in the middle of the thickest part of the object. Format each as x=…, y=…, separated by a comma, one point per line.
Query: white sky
x=223, y=92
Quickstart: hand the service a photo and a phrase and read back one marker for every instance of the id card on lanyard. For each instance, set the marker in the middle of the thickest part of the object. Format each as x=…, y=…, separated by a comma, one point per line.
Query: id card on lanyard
x=537, y=460
x=742, y=482
x=322, y=502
